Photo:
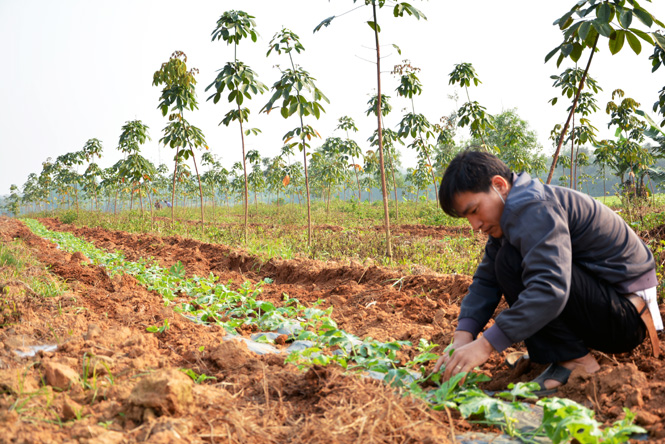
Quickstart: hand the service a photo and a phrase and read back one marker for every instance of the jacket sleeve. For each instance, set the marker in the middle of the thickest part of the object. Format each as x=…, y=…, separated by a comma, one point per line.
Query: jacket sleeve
x=539, y=230
x=484, y=294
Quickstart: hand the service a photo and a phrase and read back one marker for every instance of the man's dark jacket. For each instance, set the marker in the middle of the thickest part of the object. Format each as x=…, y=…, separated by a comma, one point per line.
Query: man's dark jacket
x=552, y=227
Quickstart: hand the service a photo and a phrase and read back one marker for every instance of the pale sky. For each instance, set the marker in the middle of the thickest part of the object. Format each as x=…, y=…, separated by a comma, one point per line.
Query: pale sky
x=75, y=70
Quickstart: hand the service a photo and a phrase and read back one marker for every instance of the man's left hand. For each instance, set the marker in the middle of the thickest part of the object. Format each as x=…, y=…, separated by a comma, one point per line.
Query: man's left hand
x=467, y=357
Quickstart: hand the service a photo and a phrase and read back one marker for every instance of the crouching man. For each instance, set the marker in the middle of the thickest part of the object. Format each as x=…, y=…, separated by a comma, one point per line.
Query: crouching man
x=574, y=274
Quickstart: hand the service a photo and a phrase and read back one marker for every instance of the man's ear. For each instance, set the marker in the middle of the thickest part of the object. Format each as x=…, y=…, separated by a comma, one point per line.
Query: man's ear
x=500, y=183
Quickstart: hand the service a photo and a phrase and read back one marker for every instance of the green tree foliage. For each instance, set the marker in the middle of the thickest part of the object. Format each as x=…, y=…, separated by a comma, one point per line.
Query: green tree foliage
x=13, y=202
x=179, y=94
x=657, y=60
x=626, y=154
x=299, y=95
x=517, y=145
x=135, y=170
x=239, y=80
x=584, y=24
x=399, y=9
x=471, y=112
x=416, y=125
x=350, y=147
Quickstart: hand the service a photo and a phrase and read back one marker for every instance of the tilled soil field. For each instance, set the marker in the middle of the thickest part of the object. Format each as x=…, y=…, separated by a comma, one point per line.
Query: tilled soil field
x=51, y=397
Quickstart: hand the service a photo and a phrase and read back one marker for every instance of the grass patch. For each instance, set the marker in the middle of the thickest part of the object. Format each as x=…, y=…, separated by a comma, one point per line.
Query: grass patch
x=349, y=230
x=19, y=268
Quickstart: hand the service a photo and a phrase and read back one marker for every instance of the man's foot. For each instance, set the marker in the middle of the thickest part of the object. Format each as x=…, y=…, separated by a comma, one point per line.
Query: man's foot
x=588, y=362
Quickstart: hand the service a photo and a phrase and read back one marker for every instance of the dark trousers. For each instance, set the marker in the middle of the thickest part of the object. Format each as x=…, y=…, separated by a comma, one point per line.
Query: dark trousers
x=595, y=316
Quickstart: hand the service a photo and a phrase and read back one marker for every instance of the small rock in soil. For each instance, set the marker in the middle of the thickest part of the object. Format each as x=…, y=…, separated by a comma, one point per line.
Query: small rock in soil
x=60, y=376
x=79, y=257
x=71, y=409
x=93, y=332
x=166, y=391
x=100, y=365
x=645, y=418
x=14, y=382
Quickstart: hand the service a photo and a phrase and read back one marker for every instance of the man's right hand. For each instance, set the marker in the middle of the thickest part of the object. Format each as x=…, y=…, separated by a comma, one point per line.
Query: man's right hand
x=460, y=338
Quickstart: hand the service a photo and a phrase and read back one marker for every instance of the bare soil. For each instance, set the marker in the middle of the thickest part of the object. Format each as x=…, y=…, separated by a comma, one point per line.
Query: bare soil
x=254, y=398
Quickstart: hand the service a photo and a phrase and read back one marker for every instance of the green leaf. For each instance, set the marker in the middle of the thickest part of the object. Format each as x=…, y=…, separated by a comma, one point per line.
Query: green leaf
x=643, y=35
x=551, y=53
x=604, y=12
x=591, y=38
x=617, y=40
x=564, y=21
x=399, y=51
x=401, y=8
x=634, y=42
x=584, y=30
x=643, y=16
x=660, y=40
x=625, y=18
x=603, y=28
x=375, y=27
x=576, y=52
x=326, y=23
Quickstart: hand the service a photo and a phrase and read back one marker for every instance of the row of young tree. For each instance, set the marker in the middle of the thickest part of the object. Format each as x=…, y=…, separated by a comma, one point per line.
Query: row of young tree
x=338, y=160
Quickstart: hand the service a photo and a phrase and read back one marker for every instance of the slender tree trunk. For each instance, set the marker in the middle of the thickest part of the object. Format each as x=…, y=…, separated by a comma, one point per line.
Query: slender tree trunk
x=175, y=172
x=357, y=178
x=199, y=179
x=213, y=204
x=244, y=168
x=572, y=154
x=570, y=115
x=309, y=201
x=304, y=153
x=152, y=217
x=328, y=206
x=395, y=189
x=384, y=191
x=391, y=157
x=578, y=170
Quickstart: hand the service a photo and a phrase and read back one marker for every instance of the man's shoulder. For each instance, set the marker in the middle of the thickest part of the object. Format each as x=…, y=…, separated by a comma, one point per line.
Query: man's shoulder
x=526, y=190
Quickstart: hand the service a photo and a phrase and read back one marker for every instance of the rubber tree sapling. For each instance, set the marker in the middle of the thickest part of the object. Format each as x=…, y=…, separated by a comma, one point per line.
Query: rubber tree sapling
x=332, y=164
x=350, y=147
x=569, y=81
x=582, y=27
x=632, y=156
x=388, y=138
x=239, y=80
x=415, y=125
x=292, y=89
x=179, y=94
x=135, y=169
x=471, y=113
x=399, y=9
x=255, y=178
x=31, y=191
x=13, y=204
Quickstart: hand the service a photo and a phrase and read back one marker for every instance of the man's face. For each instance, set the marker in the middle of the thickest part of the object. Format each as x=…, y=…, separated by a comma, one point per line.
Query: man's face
x=483, y=210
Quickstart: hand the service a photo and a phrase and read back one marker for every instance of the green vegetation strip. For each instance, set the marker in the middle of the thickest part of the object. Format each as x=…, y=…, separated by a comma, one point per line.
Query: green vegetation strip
x=212, y=302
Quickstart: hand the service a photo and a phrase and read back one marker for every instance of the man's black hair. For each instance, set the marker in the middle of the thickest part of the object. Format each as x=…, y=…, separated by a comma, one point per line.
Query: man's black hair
x=470, y=171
